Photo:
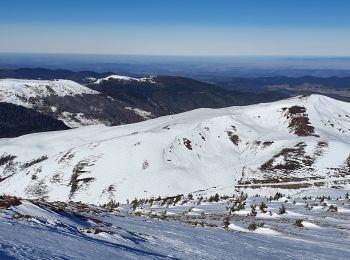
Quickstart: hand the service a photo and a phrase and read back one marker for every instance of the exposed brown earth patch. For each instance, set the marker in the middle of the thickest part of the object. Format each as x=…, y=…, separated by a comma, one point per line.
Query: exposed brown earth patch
x=293, y=158
x=9, y=201
x=299, y=122
x=187, y=143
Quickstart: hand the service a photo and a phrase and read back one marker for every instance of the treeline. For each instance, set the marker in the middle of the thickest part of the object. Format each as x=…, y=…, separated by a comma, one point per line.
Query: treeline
x=16, y=120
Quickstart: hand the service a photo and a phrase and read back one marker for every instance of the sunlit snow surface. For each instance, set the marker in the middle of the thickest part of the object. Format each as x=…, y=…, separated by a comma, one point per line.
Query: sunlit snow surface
x=202, y=152
x=123, y=78
x=71, y=234
x=183, y=153
x=21, y=91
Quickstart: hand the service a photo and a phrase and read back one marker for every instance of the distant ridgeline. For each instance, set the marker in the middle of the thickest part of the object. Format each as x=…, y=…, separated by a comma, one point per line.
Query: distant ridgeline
x=59, y=99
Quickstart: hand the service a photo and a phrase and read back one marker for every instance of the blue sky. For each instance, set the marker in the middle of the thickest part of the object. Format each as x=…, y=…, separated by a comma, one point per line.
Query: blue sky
x=177, y=27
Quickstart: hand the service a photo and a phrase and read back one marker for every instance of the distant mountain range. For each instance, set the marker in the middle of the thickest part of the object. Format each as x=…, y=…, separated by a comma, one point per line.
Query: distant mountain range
x=88, y=98
x=111, y=99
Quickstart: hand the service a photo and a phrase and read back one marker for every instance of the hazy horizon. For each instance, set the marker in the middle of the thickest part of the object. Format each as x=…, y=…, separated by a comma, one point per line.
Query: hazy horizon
x=179, y=28
x=200, y=67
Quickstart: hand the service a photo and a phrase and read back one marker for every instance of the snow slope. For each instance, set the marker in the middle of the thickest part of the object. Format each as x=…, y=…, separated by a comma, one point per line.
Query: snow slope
x=124, y=78
x=24, y=92
x=87, y=232
x=292, y=144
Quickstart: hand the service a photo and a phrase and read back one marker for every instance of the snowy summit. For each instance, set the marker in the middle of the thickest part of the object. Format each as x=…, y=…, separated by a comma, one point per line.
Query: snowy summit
x=291, y=144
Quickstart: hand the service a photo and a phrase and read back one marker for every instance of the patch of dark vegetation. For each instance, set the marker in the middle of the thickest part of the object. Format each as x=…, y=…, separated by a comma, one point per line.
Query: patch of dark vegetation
x=17, y=120
x=98, y=230
x=253, y=226
x=257, y=143
x=226, y=222
x=187, y=143
x=5, y=158
x=233, y=137
x=298, y=223
x=344, y=169
x=253, y=211
x=37, y=190
x=56, y=178
x=299, y=121
x=267, y=165
x=322, y=144
x=267, y=143
x=173, y=200
x=7, y=201
x=193, y=223
x=320, y=148
x=34, y=161
x=294, y=186
x=112, y=205
x=238, y=203
x=75, y=209
x=347, y=161
x=277, y=196
x=145, y=165
x=214, y=198
x=294, y=158
x=19, y=216
x=110, y=190
x=67, y=156
x=281, y=172
x=282, y=210
x=6, y=177
x=263, y=207
x=75, y=182
x=290, y=186
x=295, y=110
x=10, y=166
x=332, y=208
x=203, y=138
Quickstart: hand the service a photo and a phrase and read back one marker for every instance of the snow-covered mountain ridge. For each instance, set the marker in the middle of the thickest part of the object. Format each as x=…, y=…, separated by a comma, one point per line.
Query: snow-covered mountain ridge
x=122, y=78
x=114, y=99
x=59, y=99
x=20, y=92
x=302, y=142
